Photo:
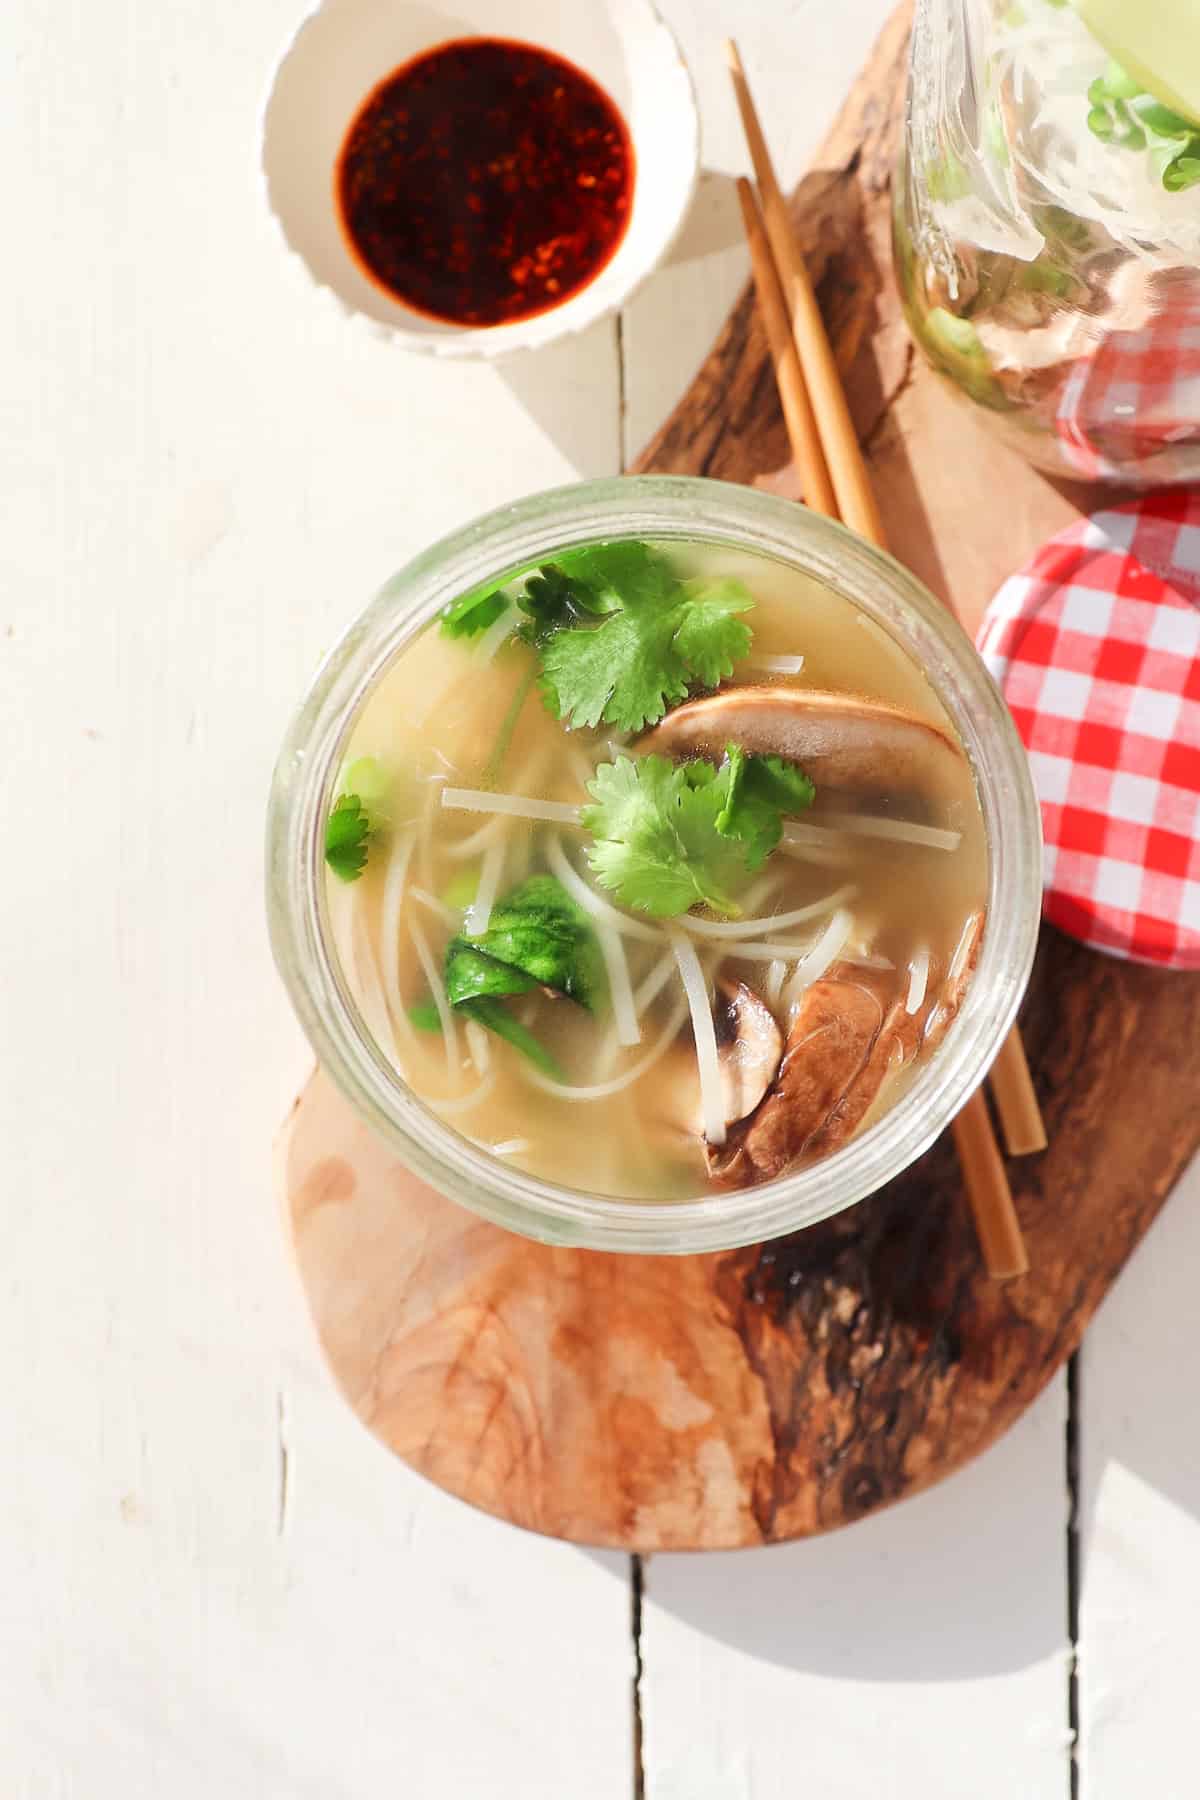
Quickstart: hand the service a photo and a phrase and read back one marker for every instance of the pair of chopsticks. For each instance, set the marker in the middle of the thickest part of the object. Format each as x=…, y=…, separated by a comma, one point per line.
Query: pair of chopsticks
x=835, y=482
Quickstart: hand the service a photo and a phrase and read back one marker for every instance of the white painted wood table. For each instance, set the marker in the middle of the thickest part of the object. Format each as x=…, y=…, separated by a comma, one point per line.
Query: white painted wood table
x=214, y=1583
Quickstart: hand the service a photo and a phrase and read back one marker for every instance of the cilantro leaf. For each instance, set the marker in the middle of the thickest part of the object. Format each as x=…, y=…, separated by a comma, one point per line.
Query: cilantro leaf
x=657, y=846
x=670, y=836
x=560, y=594
x=781, y=782
x=472, y=613
x=537, y=937
x=656, y=636
x=346, y=832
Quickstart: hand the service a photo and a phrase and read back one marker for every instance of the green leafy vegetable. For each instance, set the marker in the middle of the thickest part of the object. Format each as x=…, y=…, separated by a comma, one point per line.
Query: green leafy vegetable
x=472, y=613
x=670, y=836
x=622, y=636
x=347, y=830
x=495, y=1016
x=537, y=937
x=425, y=1016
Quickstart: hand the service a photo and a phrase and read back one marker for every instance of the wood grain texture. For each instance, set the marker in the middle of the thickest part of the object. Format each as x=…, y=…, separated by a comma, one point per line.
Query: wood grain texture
x=785, y=1390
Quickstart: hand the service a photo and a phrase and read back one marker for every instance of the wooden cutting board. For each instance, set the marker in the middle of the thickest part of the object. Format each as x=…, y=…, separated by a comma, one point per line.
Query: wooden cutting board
x=709, y=1401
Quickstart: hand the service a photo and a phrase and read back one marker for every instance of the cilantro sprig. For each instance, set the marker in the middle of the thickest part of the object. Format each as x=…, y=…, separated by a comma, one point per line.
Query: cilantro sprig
x=619, y=633
x=347, y=831
x=670, y=836
x=649, y=638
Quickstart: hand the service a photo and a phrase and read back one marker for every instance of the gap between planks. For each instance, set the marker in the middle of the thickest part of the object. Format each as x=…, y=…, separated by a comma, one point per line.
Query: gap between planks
x=1073, y=1569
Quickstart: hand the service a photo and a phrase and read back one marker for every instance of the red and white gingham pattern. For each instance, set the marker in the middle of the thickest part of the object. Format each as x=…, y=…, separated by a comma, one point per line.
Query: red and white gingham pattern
x=1125, y=405
x=1096, y=645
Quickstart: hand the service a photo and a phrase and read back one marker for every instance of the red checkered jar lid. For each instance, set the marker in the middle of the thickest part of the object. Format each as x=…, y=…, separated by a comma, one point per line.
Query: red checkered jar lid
x=1096, y=645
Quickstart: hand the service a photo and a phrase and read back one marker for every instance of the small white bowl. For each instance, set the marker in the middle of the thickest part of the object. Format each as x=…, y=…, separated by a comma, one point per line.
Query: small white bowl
x=346, y=47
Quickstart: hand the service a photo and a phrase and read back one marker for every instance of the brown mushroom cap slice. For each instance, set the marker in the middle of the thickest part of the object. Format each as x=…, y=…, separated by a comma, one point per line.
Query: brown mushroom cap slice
x=826, y=1061
x=842, y=740
x=749, y=1050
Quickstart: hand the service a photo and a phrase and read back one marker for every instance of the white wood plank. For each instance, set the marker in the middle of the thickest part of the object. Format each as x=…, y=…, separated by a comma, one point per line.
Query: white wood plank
x=922, y=1652
x=801, y=59
x=208, y=474
x=1139, y=1665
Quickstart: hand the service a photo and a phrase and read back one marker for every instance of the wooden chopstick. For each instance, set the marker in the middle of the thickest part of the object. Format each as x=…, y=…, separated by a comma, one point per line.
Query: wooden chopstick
x=856, y=504
x=1012, y=1085
x=815, y=484
x=984, y=1177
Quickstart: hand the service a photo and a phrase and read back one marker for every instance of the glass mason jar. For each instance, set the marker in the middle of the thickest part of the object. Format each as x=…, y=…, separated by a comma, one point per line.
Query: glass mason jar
x=491, y=549
x=1047, y=225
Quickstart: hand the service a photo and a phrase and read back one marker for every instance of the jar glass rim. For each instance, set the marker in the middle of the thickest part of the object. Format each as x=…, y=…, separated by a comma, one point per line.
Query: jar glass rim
x=498, y=544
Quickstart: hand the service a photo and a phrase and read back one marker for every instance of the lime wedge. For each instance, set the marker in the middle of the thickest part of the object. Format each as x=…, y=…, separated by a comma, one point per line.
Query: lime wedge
x=1156, y=41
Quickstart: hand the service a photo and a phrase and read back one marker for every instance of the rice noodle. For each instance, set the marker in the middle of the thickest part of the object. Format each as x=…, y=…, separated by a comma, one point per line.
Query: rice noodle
x=474, y=1098
x=620, y=987
x=424, y=852
x=779, y=922
x=372, y=998
x=594, y=903
x=602, y=1090
x=652, y=984
x=497, y=632
x=822, y=956
x=775, y=665
x=962, y=949
x=712, y=1099
x=477, y=1044
x=511, y=1147
x=900, y=831
x=479, y=913
x=438, y=994
x=510, y=806
x=776, y=976
x=390, y=904
x=918, y=981
x=437, y=907
x=478, y=840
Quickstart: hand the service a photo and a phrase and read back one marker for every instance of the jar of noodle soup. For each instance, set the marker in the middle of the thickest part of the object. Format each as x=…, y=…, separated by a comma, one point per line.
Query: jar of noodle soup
x=583, y=928
x=1047, y=226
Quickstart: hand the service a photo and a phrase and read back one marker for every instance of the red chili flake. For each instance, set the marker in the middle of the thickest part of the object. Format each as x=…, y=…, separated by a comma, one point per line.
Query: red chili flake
x=485, y=181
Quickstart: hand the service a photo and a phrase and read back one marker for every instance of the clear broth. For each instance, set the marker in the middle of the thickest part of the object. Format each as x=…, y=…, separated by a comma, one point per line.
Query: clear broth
x=434, y=719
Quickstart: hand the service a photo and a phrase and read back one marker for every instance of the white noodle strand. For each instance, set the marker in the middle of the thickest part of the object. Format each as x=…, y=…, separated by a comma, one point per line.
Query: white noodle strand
x=602, y=1090
x=779, y=922
x=776, y=976
x=496, y=634
x=437, y=907
x=390, y=904
x=491, y=871
x=438, y=995
x=820, y=958
x=476, y=1096
x=510, y=806
x=594, y=903
x=712, y=1099
x=619, y=985
x=899, y=831
x=775, y=665
x=477, y=1044
x=918, y=981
